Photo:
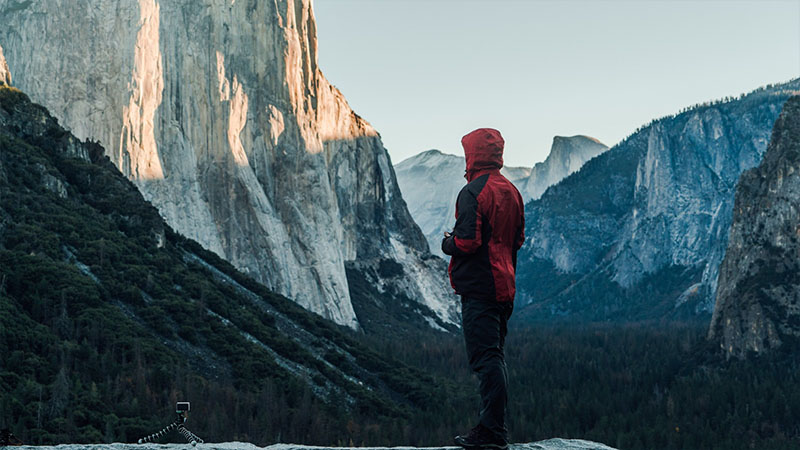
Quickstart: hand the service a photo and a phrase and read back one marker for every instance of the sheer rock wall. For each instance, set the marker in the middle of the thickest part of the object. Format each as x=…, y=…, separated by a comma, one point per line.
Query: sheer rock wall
x=218, y=112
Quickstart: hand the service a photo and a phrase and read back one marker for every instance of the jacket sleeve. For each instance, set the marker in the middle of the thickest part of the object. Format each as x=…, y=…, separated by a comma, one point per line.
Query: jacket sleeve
x=521, y=229
x=466, y=237
x=520, y=233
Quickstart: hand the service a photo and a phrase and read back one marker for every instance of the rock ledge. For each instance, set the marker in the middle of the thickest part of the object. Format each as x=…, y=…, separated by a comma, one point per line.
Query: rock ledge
x=550, y=444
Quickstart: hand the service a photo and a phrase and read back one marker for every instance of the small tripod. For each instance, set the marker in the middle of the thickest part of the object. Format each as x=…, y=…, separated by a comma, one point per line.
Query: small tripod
x=182, y=410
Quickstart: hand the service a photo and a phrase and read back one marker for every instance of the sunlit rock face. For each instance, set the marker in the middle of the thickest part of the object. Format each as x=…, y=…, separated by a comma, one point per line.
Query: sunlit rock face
x=218, y=112
x=5, y=75
x=640, y=230
x=758, y=295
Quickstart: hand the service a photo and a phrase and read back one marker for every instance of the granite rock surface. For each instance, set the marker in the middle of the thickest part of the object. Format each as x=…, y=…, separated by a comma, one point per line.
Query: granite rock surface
x=430, y=182
x=218, y=112
x=758, y=295
x=567, y=155
x=639, y=231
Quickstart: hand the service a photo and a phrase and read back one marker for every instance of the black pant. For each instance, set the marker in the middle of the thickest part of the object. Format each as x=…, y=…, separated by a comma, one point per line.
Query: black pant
x=485, y=325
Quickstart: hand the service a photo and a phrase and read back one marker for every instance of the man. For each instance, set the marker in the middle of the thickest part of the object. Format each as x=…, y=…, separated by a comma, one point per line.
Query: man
x=483, y=245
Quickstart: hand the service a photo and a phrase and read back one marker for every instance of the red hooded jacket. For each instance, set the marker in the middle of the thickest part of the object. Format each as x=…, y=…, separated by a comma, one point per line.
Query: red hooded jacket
x=490, y=223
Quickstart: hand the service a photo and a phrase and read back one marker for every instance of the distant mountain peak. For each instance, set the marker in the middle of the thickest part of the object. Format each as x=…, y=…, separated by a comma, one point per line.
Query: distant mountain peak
x=431, y=152
x=577, y=137
x=575, y=143
x=254, y=154
x=567, y=155
x=427, y=158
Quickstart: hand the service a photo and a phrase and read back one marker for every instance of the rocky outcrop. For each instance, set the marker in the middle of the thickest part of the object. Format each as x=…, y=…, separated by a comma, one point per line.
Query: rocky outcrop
x=639, y=232
x=5, y=74
x=550, y=444
x=758, y=295
x=567, y=155
x=430, y=182
x=218, y=112
x=77, y=236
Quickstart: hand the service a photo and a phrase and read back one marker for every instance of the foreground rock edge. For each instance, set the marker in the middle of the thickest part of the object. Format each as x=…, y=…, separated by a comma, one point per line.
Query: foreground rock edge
x=550, y=444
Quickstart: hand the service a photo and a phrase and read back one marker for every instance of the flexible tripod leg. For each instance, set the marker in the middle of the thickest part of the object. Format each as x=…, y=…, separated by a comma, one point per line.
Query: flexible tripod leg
x=190, y=437
x=163, y=431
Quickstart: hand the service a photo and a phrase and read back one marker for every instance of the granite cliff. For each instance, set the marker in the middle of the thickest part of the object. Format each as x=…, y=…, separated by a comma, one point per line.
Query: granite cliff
x=758, y=295
x=107, y=315
x=567, y=155
x=219, y=114
x=639, y=231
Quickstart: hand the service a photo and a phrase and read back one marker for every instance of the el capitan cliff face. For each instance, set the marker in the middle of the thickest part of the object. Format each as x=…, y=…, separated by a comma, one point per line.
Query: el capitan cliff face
x=219, y=114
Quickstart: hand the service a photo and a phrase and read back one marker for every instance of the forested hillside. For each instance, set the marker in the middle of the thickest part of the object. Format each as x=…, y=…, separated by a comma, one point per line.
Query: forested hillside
x=107, y=317
x=633, y=387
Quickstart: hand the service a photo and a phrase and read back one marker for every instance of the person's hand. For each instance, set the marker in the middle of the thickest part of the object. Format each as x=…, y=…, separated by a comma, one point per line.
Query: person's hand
x=447, y=234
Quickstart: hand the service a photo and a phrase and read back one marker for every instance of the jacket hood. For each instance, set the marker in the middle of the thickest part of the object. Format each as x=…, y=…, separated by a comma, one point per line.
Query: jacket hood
x=483, y=150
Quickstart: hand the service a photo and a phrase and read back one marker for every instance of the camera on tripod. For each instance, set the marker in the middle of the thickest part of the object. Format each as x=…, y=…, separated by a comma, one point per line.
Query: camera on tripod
x=182, y=410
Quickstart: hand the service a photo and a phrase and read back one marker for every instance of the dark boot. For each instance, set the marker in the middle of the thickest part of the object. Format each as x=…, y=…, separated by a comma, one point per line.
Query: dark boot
x=481, y=437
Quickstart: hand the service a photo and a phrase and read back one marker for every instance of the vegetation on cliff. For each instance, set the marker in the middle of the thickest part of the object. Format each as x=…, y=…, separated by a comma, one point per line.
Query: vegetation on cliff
x=757, y=296
x=107, y=317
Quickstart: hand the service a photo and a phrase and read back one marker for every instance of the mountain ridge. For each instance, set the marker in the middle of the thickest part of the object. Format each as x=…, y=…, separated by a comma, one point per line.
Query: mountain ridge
x=647, y=219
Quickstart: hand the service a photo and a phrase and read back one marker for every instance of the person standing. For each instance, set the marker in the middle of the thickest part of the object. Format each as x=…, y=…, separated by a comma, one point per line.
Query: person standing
x=483, y=246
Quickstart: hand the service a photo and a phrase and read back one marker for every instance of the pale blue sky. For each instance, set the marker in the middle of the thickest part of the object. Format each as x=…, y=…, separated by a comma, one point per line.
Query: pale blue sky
x=426, y=72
